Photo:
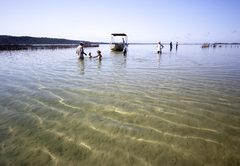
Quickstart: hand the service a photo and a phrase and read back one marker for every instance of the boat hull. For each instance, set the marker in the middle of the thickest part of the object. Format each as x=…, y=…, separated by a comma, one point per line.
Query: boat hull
x=117, y=46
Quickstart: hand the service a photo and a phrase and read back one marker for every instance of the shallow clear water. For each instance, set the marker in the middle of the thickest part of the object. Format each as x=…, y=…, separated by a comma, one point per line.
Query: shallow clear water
x=178, y=108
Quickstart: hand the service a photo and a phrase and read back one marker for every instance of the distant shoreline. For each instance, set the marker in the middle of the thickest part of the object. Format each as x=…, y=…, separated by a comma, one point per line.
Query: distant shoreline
x=11, y=40
x=27, y=42
x=185, y=43
x=41, y=46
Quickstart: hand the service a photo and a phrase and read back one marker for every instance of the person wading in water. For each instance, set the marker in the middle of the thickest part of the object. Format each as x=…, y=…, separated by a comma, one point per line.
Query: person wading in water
x=80, y=51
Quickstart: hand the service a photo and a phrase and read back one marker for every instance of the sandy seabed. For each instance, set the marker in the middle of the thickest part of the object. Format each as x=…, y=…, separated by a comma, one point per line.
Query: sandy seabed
x=57, y=110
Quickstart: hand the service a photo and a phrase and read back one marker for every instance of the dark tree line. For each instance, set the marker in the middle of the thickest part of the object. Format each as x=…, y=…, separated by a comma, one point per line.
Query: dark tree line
x=13, y=40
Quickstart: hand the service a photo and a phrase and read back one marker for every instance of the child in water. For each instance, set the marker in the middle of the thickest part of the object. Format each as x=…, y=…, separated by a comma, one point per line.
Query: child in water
x=99, y=55
x=89, y=55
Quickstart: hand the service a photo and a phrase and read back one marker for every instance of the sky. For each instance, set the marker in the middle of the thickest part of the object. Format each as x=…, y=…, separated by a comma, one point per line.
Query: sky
x=144, y=21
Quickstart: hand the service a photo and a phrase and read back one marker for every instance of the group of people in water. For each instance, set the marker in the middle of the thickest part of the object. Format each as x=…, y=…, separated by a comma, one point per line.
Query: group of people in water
x=81, y=53
x=160, y=47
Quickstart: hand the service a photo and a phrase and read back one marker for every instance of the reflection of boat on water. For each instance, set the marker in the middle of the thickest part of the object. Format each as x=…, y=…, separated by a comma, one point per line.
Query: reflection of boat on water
x=116, y=43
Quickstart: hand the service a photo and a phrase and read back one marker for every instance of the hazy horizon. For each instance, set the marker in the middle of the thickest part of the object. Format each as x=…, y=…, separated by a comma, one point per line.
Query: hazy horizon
x=103, y=42
x=143, y=21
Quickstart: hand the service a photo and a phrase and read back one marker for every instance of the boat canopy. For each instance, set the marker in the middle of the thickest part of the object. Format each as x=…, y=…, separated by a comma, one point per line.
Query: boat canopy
x=119, y=34
x=116, y=43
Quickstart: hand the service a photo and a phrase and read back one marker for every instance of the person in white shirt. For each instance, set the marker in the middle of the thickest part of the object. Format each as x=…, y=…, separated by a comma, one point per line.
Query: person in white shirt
x=159, y=48
x=80, y=51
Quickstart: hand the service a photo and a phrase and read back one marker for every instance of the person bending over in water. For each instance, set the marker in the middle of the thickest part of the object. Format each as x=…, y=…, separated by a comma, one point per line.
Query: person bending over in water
x=99, y=55
x=159, y=48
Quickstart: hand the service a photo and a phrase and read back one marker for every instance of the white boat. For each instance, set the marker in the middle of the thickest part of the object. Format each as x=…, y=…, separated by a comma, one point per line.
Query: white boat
x=116, y=43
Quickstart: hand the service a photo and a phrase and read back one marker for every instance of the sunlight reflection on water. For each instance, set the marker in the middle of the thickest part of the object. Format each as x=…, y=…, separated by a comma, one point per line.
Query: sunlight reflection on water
x=177, y=108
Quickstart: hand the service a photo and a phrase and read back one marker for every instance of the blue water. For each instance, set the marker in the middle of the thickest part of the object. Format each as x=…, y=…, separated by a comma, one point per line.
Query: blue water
x=178, y=108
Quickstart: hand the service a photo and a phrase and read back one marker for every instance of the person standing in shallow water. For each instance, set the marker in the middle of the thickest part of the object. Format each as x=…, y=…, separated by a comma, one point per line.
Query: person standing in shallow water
x=80, y=51
x=159, y=48
x=125, y=51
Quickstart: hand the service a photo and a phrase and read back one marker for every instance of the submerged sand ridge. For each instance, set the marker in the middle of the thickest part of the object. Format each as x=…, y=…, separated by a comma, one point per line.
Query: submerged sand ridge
x=52, y=113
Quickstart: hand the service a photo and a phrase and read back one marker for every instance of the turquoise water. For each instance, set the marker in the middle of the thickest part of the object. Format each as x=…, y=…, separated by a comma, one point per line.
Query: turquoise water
x=178, y=108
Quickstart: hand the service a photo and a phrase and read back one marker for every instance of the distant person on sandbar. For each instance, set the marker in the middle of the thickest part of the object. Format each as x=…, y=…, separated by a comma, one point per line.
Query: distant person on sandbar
x=99, y=55
x=159, y=48
x=80, y=51
x=176, y=45
x=170, y=45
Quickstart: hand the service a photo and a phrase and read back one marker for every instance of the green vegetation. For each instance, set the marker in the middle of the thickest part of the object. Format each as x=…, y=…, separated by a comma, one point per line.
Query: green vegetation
x=35, y=40
x=26, y=42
